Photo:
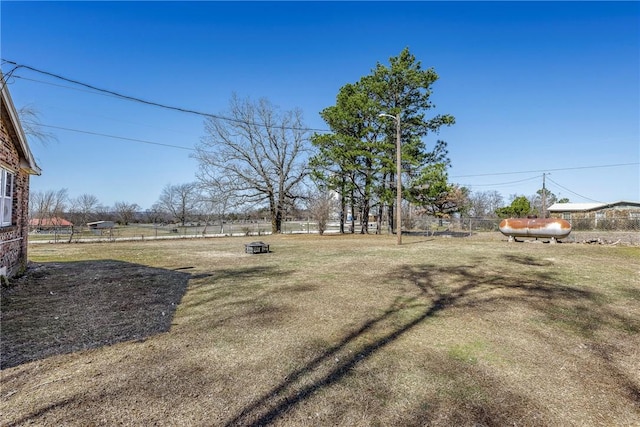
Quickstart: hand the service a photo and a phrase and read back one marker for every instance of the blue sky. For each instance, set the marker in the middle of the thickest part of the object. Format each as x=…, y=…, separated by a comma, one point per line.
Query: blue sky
x=535, y=87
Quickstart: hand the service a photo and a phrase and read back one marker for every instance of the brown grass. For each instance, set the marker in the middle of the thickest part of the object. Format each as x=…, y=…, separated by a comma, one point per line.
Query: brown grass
x=332, y=330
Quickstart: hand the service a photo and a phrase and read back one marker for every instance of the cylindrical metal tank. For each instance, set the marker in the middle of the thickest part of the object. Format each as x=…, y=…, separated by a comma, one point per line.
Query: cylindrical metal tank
x=555, y=228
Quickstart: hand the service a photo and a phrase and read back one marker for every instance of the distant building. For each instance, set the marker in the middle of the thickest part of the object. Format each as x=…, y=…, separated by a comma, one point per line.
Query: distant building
x=98, y=227
x=16, y=166
x=50, y=224
x=616, y=215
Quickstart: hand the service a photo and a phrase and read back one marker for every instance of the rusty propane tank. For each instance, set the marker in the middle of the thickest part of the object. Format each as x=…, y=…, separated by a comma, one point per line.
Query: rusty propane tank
x=549, y=228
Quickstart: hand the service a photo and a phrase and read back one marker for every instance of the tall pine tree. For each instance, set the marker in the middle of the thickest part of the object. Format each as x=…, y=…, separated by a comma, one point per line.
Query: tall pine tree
x=357, y=160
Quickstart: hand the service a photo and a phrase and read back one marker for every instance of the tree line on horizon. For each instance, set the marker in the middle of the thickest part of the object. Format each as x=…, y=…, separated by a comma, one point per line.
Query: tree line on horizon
x=186, y=204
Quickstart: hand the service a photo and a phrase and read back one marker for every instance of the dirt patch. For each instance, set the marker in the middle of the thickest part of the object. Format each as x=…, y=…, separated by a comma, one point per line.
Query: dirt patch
x=58, y=308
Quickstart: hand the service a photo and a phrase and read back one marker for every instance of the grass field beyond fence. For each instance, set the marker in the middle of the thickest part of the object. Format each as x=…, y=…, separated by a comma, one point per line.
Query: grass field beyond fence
x=324, y=331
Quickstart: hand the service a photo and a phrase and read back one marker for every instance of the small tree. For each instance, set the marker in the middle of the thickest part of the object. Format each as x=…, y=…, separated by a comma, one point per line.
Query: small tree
x=431, y=191
x=519, y=208
x=322, y=204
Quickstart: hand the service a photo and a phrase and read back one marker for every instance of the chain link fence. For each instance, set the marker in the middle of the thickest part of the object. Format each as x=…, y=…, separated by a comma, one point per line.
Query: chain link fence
x=604, y=230
x=611, y=229
x=476, y=224
x=607, y=224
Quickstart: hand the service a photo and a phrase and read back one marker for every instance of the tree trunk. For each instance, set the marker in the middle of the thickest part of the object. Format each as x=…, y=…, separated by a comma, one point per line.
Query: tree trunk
x=364, y=221
x=343, y=210
x=352, y=226
x=276, y=220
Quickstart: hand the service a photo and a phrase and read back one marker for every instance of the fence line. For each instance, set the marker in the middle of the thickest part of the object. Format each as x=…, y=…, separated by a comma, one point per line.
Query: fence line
x=423, y=224
x=578, y=223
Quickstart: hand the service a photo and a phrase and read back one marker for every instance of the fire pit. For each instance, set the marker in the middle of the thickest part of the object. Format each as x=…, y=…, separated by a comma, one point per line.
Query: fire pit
x=256, y=248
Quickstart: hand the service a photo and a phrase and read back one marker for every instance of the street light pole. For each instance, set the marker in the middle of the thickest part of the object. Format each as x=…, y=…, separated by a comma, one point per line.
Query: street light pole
x=398, y=177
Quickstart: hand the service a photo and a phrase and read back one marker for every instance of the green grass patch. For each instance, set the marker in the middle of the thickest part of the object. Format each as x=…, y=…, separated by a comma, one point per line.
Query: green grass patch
x=467, y=352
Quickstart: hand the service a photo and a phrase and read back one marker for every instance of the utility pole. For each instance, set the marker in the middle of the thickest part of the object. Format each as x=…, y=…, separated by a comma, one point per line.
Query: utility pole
x=398, y=182
x=544, y=196
x=398, y=176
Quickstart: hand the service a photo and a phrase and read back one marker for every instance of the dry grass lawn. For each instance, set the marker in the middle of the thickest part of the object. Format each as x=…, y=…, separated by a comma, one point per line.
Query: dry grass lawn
x=324, y=331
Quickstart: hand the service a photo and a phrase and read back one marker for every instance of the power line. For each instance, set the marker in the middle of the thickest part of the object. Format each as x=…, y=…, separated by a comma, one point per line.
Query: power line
x=548, y=179
x=143, y=101
x=504, y=183
x=7, y=76
x=63, y=86
x=573, y=192
x=548, y=170
x=117, y=137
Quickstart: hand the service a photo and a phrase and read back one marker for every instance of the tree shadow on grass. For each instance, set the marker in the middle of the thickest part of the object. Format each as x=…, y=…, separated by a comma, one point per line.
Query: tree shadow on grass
x=59, y=308
x=240, y=282
x=527, y=260
x=427, y=296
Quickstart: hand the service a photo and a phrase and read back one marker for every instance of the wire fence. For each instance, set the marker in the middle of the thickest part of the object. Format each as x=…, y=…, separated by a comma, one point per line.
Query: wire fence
x=608, y=224
x=578, y=223
x=608, y=229
x=612, y=229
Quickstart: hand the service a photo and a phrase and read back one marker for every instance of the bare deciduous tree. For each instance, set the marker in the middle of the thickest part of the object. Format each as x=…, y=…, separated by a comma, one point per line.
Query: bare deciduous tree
x=542, y=200
x=216, y=199
x=156, y=214
x=45, y=205
x=260, y=152
x=321, y=205
x=484, y=203
x=179, y=201
x=83, y=208
x=30, y=120
x=104, y=213
x=125, y=211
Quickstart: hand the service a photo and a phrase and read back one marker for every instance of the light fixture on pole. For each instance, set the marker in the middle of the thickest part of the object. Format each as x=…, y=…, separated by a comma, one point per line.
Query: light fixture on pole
x=398, y=177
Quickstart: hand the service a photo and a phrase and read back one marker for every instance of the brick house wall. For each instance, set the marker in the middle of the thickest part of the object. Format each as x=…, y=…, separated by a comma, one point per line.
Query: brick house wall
x=16, y=158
